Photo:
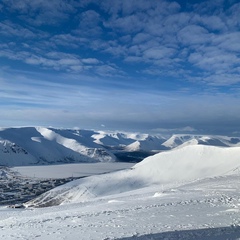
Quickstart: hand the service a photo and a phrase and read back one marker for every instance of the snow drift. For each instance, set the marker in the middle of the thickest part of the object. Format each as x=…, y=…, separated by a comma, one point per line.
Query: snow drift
x=180, y=165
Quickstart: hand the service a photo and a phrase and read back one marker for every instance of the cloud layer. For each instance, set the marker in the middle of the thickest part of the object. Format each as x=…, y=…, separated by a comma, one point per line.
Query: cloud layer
x=118, y=61
x=197, y=42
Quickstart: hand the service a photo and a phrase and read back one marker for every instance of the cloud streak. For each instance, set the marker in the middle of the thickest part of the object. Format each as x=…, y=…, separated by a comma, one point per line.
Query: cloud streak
x=68, y=104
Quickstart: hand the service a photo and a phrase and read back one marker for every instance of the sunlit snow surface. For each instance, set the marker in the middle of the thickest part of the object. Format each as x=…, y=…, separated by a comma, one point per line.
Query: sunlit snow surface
x=138, y=204
x=207, y=209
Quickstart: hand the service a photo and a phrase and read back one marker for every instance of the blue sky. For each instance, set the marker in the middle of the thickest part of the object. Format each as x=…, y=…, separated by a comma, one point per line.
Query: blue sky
x=135, y=65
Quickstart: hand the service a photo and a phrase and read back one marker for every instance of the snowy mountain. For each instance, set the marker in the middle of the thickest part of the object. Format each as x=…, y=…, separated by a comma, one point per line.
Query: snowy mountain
x=178, y=140
x=39, y=145
x=12, y=154
x=172, y=167
x=150, y=143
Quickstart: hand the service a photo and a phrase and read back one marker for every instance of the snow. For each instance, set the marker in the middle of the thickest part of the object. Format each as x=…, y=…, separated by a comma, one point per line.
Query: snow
x=181, y=140
x=190, y=162
x=190, y=192
x=25, y=146
x=140, y=203
x=150, y=143
x=206, y=209
x=13, y=154
x=180, y=165
x=118, y=138
x=49, y=146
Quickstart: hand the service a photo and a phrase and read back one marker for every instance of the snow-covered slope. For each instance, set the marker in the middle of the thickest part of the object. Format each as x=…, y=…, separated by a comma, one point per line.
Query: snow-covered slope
x=150, y=143
x=130, y=141
x=178, y=140
x=40, y=145
x=37, y=145
x=142, y=202
x=114, y=139
x=202, y=210
x=176, y=166
x=12, y=154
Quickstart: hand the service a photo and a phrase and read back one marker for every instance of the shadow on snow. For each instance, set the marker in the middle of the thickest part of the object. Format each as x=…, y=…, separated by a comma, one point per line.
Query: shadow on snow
x=223, y=233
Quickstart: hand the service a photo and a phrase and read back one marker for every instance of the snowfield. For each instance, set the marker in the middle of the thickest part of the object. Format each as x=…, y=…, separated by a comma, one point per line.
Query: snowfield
x=188, y=193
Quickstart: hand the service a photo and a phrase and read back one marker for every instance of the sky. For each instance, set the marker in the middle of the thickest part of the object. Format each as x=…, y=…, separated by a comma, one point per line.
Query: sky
x=132, y=65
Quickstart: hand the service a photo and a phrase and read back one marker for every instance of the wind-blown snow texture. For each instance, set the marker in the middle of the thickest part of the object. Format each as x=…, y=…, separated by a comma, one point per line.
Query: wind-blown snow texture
x=38, y=145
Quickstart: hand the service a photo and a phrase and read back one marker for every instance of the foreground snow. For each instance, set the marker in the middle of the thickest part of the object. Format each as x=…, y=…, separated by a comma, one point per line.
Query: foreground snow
x=206, y=209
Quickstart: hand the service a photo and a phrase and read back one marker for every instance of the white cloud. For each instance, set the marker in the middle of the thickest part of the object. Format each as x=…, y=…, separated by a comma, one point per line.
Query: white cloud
x=90, y=61
x=159, y=35
x=158, y=53
x=228, y=41
x=141, y=38
x=70, y=104
x=127, y=24
x=68, y=40
x=187, y=129
x=193, y=34
x=89, y=19
x=108, y=71
x=40, y=12
x=223, y=79
x=14, y=30
x=233, y=17
x=214, y=60
x=212, y=23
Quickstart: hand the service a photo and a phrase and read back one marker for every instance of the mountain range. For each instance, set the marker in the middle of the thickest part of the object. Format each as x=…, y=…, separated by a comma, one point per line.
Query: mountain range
x=40, y=145
x=188, y=189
